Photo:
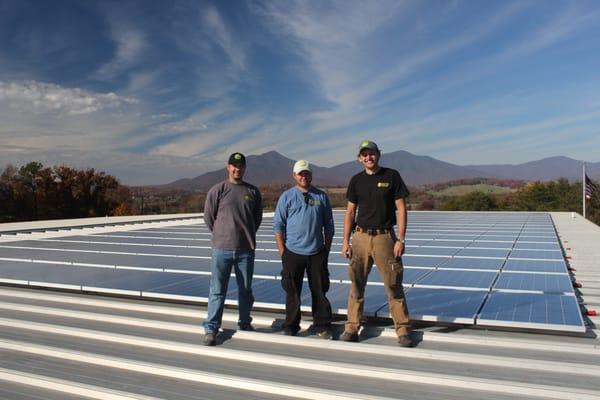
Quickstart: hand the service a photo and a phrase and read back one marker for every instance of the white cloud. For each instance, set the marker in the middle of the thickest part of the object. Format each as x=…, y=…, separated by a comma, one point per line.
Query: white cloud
x=43, y=97
x=42, y=117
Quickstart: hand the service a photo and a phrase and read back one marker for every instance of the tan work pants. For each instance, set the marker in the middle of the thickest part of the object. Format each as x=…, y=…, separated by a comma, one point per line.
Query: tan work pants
x=380, y=249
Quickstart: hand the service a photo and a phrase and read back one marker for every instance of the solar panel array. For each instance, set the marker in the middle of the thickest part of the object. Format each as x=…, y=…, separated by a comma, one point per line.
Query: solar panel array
x=489, y=269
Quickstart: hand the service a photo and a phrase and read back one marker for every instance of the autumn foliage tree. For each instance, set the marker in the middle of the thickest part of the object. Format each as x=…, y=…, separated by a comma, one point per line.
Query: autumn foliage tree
x=34, y=192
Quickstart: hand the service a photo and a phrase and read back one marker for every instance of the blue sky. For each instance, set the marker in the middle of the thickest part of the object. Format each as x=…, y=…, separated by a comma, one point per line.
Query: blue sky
x=153, y=91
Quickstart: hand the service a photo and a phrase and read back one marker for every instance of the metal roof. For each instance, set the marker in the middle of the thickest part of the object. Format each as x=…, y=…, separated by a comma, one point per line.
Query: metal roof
x=63, y=344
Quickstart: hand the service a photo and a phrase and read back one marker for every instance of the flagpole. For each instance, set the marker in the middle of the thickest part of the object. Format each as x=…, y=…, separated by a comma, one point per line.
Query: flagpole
x=583, y=188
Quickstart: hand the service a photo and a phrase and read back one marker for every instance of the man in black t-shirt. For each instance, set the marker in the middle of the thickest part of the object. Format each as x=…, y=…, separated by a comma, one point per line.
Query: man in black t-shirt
x=374, y=196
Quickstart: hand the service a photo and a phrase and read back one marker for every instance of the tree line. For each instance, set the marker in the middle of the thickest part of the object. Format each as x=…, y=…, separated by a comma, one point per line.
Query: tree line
x=34, y=192
x=560, y=195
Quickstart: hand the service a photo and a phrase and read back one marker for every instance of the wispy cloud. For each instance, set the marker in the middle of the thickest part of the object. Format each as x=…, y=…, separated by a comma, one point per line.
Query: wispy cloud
x=338, y=42
x=211, y=138
x=130, y=44
x=201, y=119
x=217, y=53
x=216, y=29
x=558, y=27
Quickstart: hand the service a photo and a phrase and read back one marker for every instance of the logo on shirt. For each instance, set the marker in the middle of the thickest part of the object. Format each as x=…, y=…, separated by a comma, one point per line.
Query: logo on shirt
x=383, y=184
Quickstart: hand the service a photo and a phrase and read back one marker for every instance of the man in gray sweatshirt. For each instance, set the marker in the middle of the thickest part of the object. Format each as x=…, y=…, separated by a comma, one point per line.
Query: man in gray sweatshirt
x=233, y=213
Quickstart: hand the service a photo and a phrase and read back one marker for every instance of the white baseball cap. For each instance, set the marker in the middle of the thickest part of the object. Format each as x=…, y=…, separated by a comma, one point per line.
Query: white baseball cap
x=301, y=165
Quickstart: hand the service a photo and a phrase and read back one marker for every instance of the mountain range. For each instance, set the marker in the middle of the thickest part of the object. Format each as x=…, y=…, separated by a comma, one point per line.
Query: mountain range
x=275, y=168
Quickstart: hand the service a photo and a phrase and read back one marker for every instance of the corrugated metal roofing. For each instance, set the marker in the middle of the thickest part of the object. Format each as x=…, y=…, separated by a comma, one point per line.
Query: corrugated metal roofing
x=70, y=345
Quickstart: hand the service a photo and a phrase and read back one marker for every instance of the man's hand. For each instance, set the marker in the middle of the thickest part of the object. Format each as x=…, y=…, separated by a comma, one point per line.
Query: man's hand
x=347, y=250
x=398, y=249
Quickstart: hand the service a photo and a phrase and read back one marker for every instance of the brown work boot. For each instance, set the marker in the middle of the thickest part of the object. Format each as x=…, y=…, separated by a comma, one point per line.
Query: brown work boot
x=349, y=337
x=405, y=341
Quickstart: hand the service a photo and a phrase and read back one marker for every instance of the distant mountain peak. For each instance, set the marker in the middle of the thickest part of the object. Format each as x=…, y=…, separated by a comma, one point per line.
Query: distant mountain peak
x=274, y=167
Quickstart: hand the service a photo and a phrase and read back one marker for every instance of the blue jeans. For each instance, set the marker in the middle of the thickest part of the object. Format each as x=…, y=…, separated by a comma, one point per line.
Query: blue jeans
x=220, y=270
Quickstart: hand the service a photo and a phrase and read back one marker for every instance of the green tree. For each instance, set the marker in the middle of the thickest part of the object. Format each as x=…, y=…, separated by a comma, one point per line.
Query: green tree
x=473, y=201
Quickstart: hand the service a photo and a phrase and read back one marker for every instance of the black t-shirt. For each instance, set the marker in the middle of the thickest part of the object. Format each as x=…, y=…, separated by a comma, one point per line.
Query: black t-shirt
x=376, y=195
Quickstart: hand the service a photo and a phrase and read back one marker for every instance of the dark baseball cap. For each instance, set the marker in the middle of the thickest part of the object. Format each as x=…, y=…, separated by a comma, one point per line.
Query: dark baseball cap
x=237, y=158
x=368, y=145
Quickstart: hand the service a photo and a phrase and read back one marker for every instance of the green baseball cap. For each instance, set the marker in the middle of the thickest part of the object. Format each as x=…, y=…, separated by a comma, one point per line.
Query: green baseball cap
x=368, y=145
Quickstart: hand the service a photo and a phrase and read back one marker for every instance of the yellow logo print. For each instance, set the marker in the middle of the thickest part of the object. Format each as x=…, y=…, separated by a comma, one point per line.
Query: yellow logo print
x=238, y=156
x=365, y=143
x=383, y=184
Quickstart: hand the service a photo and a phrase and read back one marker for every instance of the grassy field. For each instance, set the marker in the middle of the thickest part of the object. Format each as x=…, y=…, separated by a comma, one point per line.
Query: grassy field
x=461, y=190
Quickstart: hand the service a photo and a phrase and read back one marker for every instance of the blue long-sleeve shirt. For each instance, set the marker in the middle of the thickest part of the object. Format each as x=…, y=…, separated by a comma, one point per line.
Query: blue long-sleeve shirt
x=304, y=224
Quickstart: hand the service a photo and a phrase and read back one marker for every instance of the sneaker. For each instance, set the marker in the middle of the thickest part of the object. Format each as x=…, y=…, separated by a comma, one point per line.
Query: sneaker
x=247, y=327
x=325, y=334
x=349, y=337
x=287, y=331
x=210, y=339
x=405, y=341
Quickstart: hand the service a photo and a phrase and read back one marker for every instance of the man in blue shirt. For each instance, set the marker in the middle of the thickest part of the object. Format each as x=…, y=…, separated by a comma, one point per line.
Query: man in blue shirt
x=303, y=232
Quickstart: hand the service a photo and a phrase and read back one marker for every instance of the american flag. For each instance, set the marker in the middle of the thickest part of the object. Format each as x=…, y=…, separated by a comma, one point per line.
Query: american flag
x=589, y=187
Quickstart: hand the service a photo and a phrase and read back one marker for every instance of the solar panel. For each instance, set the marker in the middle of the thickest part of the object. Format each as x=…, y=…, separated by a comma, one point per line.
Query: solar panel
x=525, y=245
x=473, y=263
x=539, y=239
x=50, y=274
x=193, y=288
x=432, y=251
x=412, y=275
x=536, y=265
x=491, y=244
x=458, y=279
x=532, y=310
x=471, y=252
x=452, y=259
x=137, y=281
x=546, y=283
x=447, y=243
x=420, y=261
x=446, y=305
x=537, y=254
x=375, y=298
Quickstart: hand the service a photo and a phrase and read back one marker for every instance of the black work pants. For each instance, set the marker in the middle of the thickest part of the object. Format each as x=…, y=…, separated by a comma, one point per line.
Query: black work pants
x=292, y=276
